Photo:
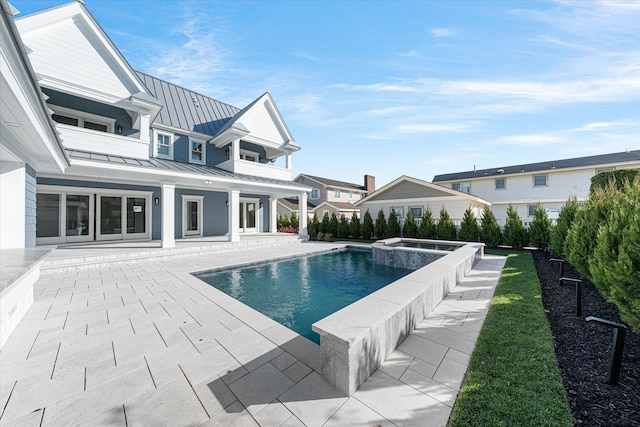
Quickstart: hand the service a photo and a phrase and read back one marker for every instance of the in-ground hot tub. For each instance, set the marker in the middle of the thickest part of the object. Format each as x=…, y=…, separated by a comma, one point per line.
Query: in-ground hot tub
x=356, y=340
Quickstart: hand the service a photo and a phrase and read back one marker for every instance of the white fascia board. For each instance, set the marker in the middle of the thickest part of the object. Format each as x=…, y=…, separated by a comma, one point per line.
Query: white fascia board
x=312, y=179
x=236, y=131
x=152, y=177
x=172, y=129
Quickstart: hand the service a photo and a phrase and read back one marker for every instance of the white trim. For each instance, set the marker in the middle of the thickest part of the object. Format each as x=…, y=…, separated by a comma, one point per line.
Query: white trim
x=203, y=151
x=242, y=226
x=82, y=116
x=245, y=153
x=199, y=200
x=155, y=145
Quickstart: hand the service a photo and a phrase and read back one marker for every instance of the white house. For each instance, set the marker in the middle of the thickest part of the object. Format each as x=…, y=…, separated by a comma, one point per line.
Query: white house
x=94, y=150
x=410, y=194
x=547, y=183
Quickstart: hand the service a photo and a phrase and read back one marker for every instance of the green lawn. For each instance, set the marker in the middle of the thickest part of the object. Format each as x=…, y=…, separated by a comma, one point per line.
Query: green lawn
x=513, y=377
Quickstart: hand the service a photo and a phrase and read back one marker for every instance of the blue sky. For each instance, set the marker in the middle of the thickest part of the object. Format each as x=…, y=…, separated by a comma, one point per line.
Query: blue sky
x=394, y=88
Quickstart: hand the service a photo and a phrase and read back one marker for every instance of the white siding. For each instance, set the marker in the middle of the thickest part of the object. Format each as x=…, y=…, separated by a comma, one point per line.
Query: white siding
x=263, y=125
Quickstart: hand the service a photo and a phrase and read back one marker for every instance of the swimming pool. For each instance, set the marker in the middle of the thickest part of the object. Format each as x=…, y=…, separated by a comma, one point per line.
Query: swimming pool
x=426, y=245
x=300, y=291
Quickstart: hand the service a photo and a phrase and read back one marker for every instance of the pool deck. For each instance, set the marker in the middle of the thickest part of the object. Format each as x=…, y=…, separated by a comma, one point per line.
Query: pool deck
x=146, y=343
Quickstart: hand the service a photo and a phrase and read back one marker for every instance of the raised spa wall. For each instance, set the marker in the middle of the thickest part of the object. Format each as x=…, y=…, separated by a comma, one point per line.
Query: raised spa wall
x=356, y=340
x=385, y=253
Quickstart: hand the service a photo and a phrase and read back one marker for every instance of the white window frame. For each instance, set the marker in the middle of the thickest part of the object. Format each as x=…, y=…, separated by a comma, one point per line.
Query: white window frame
x=155, y=144
x=350, y=195
x=399, y=210
x=546, y=180
x=459, y=185
x=315, y=194
x=417, y=207
x=203, y=153
x=81, y=116
x=604, y=170
x=337, y=193
x=245, y=153
x=504, y=185
x=190, y=198
x=530, y=211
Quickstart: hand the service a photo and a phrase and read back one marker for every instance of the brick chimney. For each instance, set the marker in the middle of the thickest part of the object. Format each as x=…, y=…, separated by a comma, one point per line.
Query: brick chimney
x=369, y=184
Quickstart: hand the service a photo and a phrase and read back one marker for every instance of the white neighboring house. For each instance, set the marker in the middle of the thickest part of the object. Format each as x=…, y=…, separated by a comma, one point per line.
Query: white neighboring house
x=547, y=183
x=127, y=155
x=410, y=194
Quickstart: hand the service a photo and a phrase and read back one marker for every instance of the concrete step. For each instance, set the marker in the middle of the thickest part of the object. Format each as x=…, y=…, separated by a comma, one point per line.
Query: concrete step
x=59, y=263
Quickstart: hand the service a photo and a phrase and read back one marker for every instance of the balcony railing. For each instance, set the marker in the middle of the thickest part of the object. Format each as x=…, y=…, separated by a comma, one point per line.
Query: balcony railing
x=267, y=170
x=100, y=142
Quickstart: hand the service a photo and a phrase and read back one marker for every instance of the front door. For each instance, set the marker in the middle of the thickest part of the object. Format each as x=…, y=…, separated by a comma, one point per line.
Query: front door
x=192, y=216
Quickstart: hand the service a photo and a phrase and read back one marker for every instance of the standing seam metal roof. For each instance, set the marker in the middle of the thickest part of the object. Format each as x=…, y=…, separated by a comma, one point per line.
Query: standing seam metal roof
x=180, y=111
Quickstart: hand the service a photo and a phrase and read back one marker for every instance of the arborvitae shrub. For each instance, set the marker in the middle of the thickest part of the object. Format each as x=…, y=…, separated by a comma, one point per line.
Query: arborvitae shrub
x=393, y=225
x=618, y=178
x=366, y=230
x=490, y=233
x=343, y=227
x=615, y=262
x=563, y=224
x=540, y=228
x=514, y=233
x=333, y=224
x=469, y=229
x=314, y=225
x=446, y=229
x=294, y=220
x=380, y=228
x=354, y=226
x=427, y=229
x=409, y=229
x=581, y=238
x=324, y=225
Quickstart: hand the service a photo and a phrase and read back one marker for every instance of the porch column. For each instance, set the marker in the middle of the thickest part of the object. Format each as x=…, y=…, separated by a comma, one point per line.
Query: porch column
x=168, y=215
x=302, y=227
x=234, y=215
x=288, y=161
x=235, y=149
x=273, y=215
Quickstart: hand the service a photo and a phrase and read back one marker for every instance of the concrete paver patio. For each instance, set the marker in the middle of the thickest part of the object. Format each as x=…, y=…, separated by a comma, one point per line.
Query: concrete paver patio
x=149, y=344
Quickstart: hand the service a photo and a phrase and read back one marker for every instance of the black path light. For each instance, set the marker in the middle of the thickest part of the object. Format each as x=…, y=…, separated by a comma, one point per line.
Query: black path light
x=561, y=261
x=578, y=283
x=617, y=345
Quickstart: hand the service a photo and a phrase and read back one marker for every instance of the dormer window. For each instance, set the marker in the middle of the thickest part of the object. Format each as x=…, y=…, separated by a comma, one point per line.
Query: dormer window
x=197, y=152
x=249, y=156
x=163, y=145
x=67, y=116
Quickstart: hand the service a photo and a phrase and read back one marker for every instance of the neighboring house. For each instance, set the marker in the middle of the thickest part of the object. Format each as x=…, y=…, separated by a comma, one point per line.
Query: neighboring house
x=288, y=206
x=547, y=183
x=407, y=194
x=141, y=158
x=330, y=196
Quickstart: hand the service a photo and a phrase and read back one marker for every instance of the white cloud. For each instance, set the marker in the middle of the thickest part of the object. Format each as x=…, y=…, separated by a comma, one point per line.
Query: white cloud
x=434, y=127
x=442, y=32
x=306, y=55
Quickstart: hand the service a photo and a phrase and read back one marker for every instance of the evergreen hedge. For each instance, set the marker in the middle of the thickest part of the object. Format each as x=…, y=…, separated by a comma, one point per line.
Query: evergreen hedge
x=563, y=224
x=445, y=229
x=380, y=227
x=324, y=225
x=469, y=230
x=409, y=229
x=490, y=233
x=343, y=227
x=333, y=225
x=540, y=228
x=393, y=225
x=354, y=226
x=366, y=230
x=427, y=229
x=619, y=177
x=514, y=233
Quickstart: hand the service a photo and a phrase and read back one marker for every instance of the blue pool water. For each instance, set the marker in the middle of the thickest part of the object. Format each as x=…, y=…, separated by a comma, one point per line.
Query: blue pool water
x=300, y=291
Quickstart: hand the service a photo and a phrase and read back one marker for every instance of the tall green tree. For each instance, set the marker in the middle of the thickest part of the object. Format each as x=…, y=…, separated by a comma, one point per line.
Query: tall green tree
x=393, y=225
x=333, y=224
x=540, y=228
x=563, y=224
x=366, y=231
x=380, y=227
x=446, y=229
x=469, y=229
x=354, y=226
x=427, y=228
x=294, y=220
x=514, y=233
x=314, y=225
x=409, y=229
x=490, y=233
x=324, y=225
x=343, y=227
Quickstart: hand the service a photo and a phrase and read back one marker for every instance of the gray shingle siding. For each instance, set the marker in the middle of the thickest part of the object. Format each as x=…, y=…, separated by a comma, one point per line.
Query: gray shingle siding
x=30, y=207
x=88, y=106
x=215, y=218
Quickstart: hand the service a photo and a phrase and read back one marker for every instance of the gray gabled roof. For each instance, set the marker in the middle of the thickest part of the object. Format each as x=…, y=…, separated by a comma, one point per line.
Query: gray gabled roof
x=334, y=183
x=603, y=159
x=175, y=166
x=186, y=109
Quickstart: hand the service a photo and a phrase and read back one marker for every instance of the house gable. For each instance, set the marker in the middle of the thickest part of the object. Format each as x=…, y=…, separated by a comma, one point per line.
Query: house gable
x=72, y=54
x=410, y=190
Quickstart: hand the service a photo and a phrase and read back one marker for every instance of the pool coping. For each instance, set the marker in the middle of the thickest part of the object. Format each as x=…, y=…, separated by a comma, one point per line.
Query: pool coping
x=355, y=341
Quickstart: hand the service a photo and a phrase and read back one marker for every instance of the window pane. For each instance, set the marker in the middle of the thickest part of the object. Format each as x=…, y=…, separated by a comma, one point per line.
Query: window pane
x=163, y=144
x=416, y=212
x=196, y=151
x=96, y=126
x=192, y=216
x=110, y=215
x=251, y=215
x=500, y=184
x=540, y=180
x=136, y=214
x=77, y=215
x=47, y=215
x=532, y=210
x=64, y=120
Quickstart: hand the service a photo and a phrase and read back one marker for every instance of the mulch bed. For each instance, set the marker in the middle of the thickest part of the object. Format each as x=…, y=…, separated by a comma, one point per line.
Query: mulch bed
x=583, y=351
